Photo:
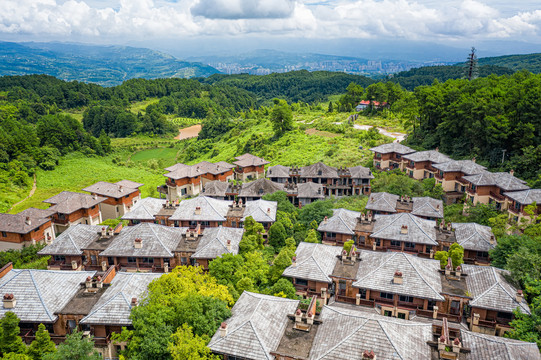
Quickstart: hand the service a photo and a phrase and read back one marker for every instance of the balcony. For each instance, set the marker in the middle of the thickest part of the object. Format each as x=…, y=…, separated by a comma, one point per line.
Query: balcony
x=503, y=321
x=102, y=341
x=345, y=299
x=407, y=304
x=487, y=323
x=440, y=316
x=384, y=301
x=497, y=197
x=365, y=302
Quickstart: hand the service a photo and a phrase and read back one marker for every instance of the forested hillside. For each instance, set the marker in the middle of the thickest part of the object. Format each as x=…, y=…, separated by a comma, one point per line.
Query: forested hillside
x=530, y=62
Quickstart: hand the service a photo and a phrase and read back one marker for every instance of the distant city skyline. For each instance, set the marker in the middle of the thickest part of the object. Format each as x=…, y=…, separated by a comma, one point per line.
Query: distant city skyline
x=198, y=27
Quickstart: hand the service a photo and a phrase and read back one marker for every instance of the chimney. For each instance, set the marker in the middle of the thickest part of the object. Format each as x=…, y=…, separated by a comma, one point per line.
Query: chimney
x=103, y=231
x=138, y=243
x=324, y=295
x=9, y=301
x=99, y=282
x=94, y=196
x=474, y=159
x=223, y=329
x=27, y=221
x=88, y=282
x=298, y=316
x=442, y=224
x=120, y=188
x=456, y=345
x=268, y=211
x=362, y=216
x=133, y=301
x=492, y=239
x=369, y=355
x=197, y=210
x=397, y=278
x=111, y=231
x=519, y=296
x=325, y=219
x=449, y=266
x=431, y=253
x=344, y=255
x=512, y=172
x=294, y=261
x=74, y=265
x=404, y=230
x=437, y=149
x=198, y=229
x=458, y=271
x=228, y=245
x=166, y=267
x=104, y=266
x=449, y=226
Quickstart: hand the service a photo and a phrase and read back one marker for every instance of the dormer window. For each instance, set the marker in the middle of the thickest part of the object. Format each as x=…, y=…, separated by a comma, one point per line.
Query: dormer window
x=319, y=172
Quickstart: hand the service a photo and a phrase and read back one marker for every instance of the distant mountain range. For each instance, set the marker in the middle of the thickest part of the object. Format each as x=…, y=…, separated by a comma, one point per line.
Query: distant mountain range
x=104, y=65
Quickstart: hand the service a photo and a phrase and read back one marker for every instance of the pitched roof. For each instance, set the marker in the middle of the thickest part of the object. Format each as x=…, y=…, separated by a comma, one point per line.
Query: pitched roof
x=157, y=241
x=473, y=236
x=37, y=213
x=211, y=209
x=319, y=170
x=17, y=223
x=114, y=306
x=144, y=209
x=427, y=206
x=67, y=202
x=278, y=171
x=310, y=190
x=256, y=326
x=429, y=155
x=466, y=167
x=129, y=184
x=393, y=147
x=260, y=187
x=503, y=180
x=225, y=164
x=180, y=171
x=110, y=190
x=525, y=197
x=490, y=290
x=250, y=160
x=215, y=188
x=41, y=293
x=360, y=172
x=488, y=347
x=314, y=262
x=261, y=210
x=213, y=243
x=346, y=334
x=420, y=276
x=382, y=202
x=342, y=221
x=420, y=230
x=73, y=240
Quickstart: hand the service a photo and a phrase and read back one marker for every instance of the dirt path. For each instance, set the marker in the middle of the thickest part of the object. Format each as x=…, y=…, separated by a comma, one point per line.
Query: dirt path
x=32, y=191
x=394, y=134
x=188, y=132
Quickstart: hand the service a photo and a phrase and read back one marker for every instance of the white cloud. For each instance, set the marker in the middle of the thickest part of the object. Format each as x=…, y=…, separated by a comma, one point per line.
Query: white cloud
x=148, y=19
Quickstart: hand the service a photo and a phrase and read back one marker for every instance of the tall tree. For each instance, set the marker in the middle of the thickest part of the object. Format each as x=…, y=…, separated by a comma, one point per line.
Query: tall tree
x=281, y=117
x=185, y=345
x=75, y=347
x=10, y=341
x=42, y=344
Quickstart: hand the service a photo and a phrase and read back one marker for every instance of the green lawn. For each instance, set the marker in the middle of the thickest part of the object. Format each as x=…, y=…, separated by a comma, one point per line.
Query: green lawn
x=140, y=106
x=77, y=171
x=168, y=155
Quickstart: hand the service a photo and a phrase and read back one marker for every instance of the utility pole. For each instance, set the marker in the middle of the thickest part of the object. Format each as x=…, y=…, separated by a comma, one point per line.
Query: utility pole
x=471, y=65
x=503, y=155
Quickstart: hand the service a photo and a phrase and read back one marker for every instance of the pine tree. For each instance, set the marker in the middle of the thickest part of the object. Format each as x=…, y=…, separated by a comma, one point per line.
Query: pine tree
x=42, y=344
x=75, y=347
x=10, y=341
x=330, y=109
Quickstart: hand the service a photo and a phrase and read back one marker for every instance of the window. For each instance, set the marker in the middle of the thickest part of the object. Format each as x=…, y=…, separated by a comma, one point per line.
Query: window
x=441, y=173
x=428, y=248
x=132, y=260
x=330, y=235
x=4, y=234
x=473, y=187
x=110, y=260
x=401, y=315
x=301, y=282
x=183, y=260
x=362, y=239
x=411, y=173
x=183, y=191
x=385, y=295
x=205, y=223
x=378, y=242
x=504, y=315
x=147, y=260
x=93, y=260
x=387, y=313
x=126, y=196
x=378, y=156
x=431, y=304
x=409, y=245
x=405, y=298
x=482, y=254
x=398, y=156
x=59, y=258
x=363, y=293
x=395, y=243
x=117, y=209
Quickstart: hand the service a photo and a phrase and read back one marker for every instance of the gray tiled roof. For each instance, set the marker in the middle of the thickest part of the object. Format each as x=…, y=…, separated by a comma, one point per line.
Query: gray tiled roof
x=345, y=334
x=67, y=202
x=41, y=293
x=158, y=241
x=104, y=188
x=314, y=262
x=114, y=306
x=503, y=180
x=249, y=160
x=360, y=172
x=490, y=290
x=73, y=240
x=427, y=206
x=225, y=164
x=488, y=347
x=129, y=184
x=319, y=170
x=382, y=202
x=342, y=221
x=278, y=171
x=180, y=171
x=215, y=188
x=37, y=213
x=393, y=147
x=472, y=236
x=429, y=155
x=260, y=187
x=466, y=167
x=16, y=223
x=526, y=197
x=420, y=231
x=256, y=326
x=144, y=209
x=310, y=190
x=259, y=210
x=420, y=276
x=213, y=243
x=211, y=209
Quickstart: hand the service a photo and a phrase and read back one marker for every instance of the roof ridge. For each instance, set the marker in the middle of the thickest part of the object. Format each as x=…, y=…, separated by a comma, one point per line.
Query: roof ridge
x=258, y=338
x=499, y=283
x=420, y=275
x=389, y=257
x=389, y=338
x=347, y=337
x=420, y=228
x=212, y=206
x=38, y=292
x=319, y=267
x=158, y=238
x=120, y=292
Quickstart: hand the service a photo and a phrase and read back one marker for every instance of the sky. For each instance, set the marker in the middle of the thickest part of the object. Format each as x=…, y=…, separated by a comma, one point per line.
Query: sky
x=191, y=26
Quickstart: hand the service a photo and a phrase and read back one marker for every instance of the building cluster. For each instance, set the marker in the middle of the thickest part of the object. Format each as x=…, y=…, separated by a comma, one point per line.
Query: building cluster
x=461, y=179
